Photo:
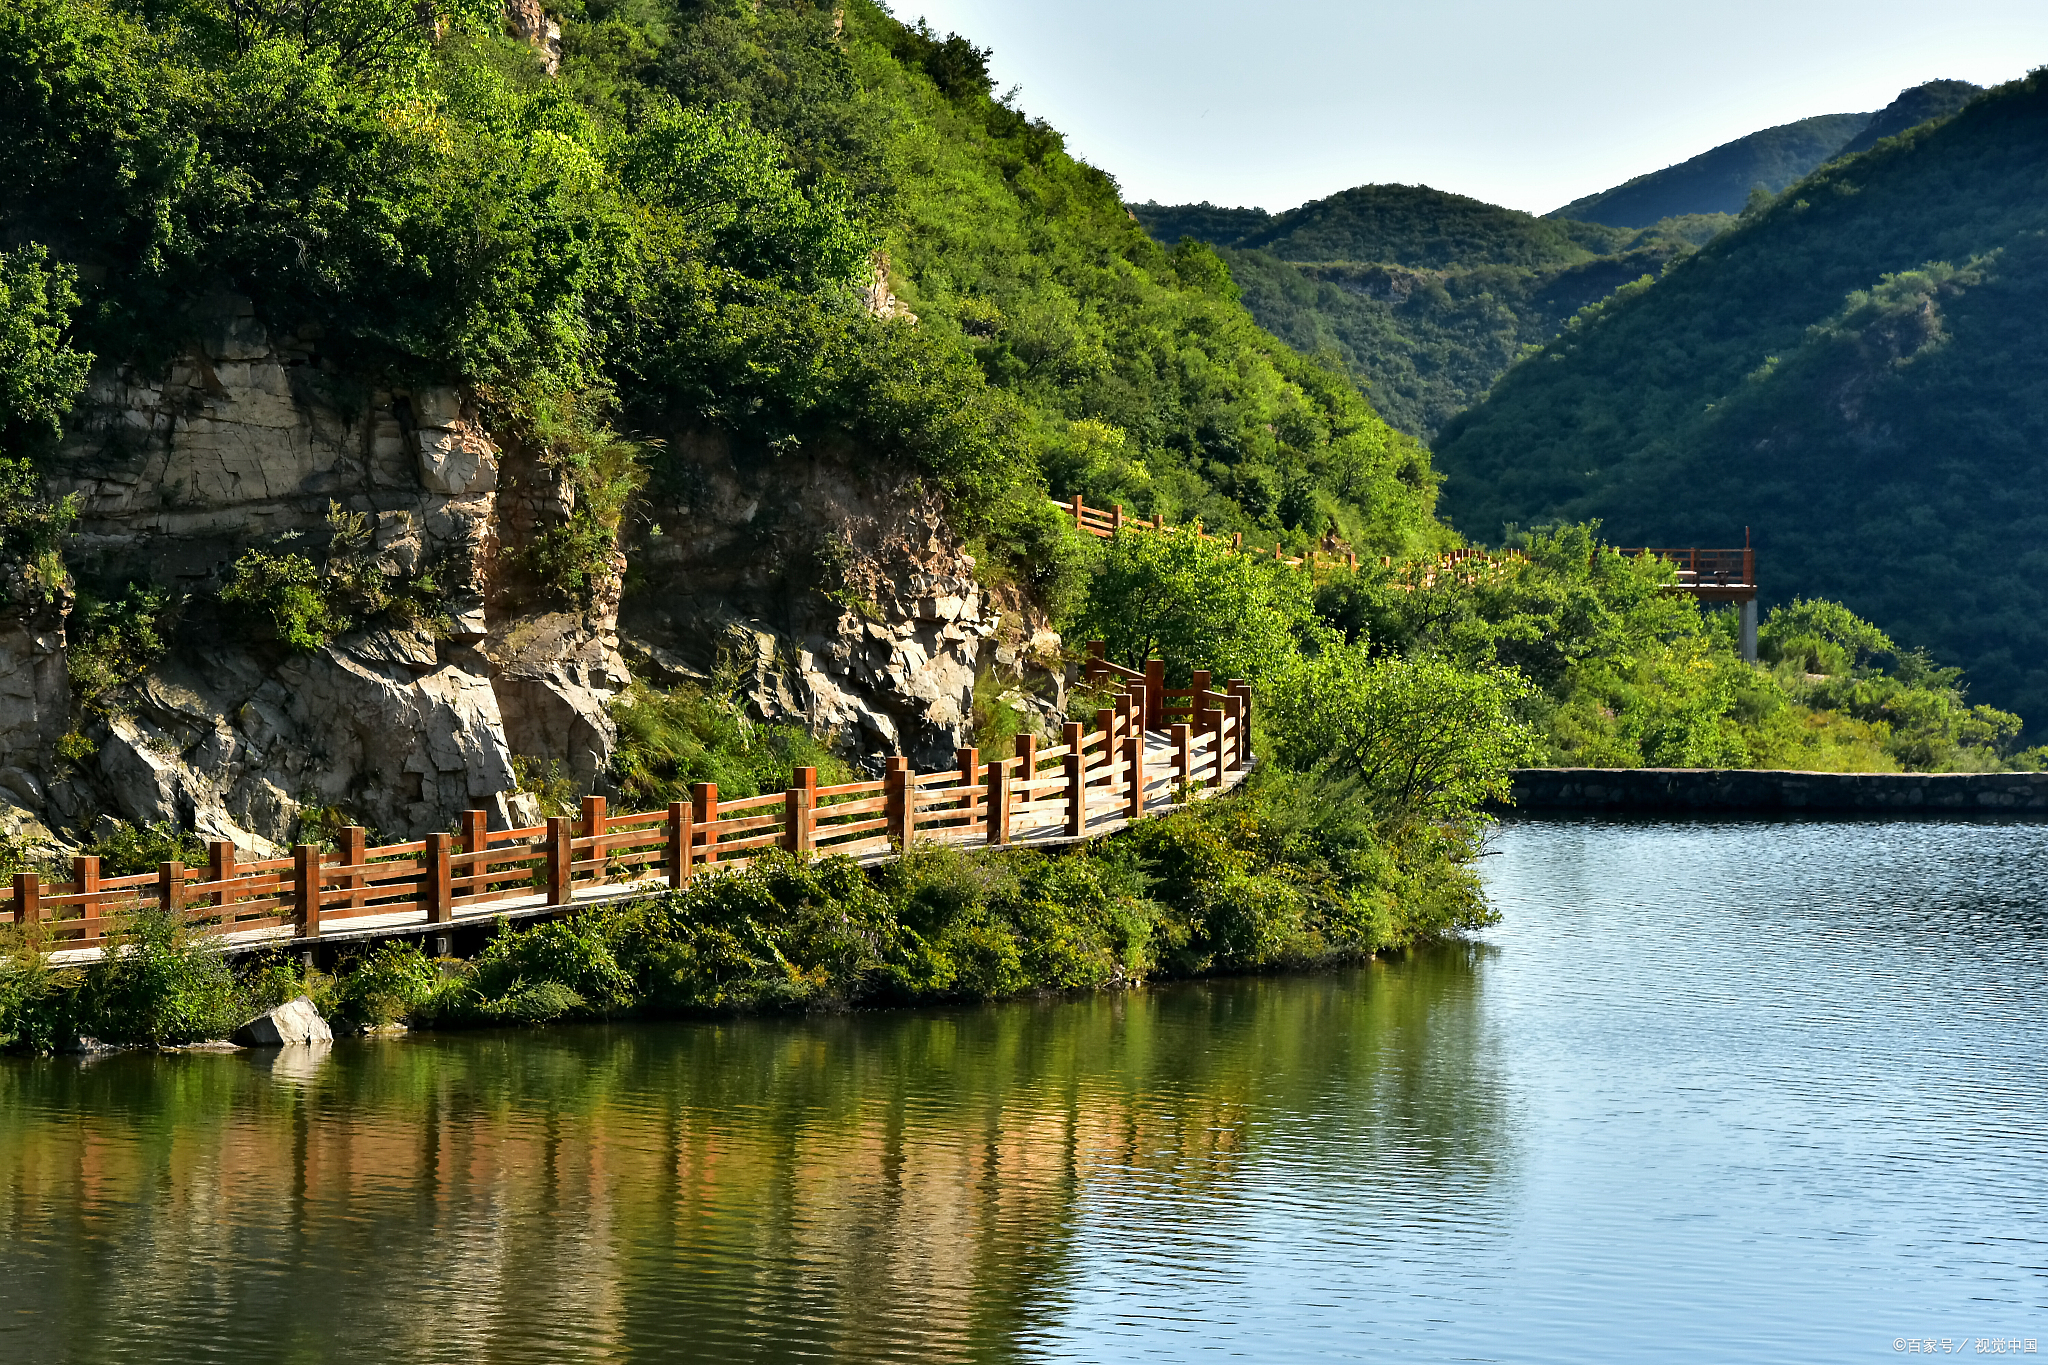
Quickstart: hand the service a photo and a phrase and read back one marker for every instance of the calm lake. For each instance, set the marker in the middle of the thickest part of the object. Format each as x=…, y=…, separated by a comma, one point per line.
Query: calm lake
x=1712, y=1092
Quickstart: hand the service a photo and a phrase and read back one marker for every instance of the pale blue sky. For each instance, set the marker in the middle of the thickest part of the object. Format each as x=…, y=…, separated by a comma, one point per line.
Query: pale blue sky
x=1526, y=105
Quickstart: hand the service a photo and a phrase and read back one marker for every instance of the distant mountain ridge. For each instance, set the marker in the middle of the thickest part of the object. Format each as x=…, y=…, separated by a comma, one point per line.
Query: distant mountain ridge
x=1426, y=297
x=1856, y=373
x=1423, y=295
x=1719, y=180
x=1921, y=104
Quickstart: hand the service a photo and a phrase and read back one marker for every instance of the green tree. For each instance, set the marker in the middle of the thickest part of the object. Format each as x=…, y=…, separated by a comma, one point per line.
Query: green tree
x=41, y=374
x=1424, y=739
x=1196, y=603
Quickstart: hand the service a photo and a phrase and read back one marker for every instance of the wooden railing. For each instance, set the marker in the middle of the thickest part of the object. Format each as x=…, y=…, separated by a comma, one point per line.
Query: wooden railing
x=1095, y=521
x=1729, y=574
x=1096, y=777
x=1706, y=571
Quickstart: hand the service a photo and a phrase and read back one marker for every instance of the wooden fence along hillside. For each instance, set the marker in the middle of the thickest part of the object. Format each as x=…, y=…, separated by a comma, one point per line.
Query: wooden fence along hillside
x=1153, y=747
x=1105, y=524
x=1711, y=575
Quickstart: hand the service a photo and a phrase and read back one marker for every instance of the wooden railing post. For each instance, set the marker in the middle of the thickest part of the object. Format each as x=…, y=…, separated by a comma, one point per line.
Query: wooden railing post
x=970, y=796
x=306, y=888
x=1155, y=694
x=28, y=898
x=1242, y=690
x=704, y=797
x=355, y=851
x=476, y=838
x=559, y=858
x=594, y=828
x=1209, y=721
x=1077, y=780
x=85, y=871
x=1080, y=523
x=1232, y=705
x=1182, y=736
x=799, y=800
x=1027, y=754
x=1116, y=516
x=220, y=867
x=438, y=883
x=682, y=833
x=900, y=806
x=170, y=887
x=998, y=814
x=1134, y=773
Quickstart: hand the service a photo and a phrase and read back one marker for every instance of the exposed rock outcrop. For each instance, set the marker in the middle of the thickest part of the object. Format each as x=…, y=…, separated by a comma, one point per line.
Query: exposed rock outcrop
x=34, y=686
x=830, y=582
x=841, y=594
x=533, y=26
x=249, y=440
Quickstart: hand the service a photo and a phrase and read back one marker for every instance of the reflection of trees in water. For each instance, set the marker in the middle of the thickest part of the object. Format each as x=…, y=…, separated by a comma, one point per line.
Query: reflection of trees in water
x=859, y=1186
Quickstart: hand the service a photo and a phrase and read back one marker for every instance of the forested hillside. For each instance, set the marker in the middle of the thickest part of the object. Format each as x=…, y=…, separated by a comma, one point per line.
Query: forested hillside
x=1855, y=374
x=1719, y=179
x=683, y=226
x=373, y=379
x=1424, y=297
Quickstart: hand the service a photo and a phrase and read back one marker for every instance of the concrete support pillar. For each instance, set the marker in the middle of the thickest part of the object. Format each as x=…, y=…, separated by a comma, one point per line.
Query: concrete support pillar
x=1749, y=631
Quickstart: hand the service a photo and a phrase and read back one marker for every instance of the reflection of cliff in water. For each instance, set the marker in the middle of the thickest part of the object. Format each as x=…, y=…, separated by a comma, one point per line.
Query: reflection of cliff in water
x=868, y=1186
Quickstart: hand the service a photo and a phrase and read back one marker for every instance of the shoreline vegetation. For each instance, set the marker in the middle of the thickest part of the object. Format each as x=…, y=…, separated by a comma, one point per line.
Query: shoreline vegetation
x=1286, y=873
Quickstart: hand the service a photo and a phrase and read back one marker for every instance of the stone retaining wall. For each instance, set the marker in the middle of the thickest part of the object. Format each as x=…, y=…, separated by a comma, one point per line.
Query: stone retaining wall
x=1737, y=791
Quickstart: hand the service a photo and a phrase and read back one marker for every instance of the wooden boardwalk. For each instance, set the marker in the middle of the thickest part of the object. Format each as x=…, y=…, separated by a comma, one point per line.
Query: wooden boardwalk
x=1151, y=750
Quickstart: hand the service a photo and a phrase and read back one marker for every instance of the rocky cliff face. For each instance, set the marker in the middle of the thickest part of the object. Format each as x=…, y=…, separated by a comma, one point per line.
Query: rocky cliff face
x=846, y=601
x=251, y=439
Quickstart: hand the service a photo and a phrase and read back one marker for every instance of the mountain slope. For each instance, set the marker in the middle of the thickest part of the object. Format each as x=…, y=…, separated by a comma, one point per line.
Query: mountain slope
x=1921, y=104
x=1857, y=374
x=1424, y=297
x=1411, y=225
x=1719, y=180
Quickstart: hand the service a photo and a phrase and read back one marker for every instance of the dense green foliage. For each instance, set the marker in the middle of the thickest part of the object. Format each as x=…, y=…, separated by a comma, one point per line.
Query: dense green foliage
x=1628, y=675
x=1854, y=373
x=1193, y=603
x=1426, y=739
x=1719, y=180
x=41, y=373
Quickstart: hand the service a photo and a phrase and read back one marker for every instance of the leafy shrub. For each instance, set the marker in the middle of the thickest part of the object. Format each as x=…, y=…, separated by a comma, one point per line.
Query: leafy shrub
x=130, y=849
x=1423, y=739
x=41, y=375
x=283, y=597
x=158, y=983
x=671, y=739
x=1197, y=604
x=114, y=641
x=384, y=986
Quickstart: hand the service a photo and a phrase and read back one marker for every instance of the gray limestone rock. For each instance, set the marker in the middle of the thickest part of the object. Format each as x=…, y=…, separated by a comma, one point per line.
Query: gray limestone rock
x=295, y=1022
